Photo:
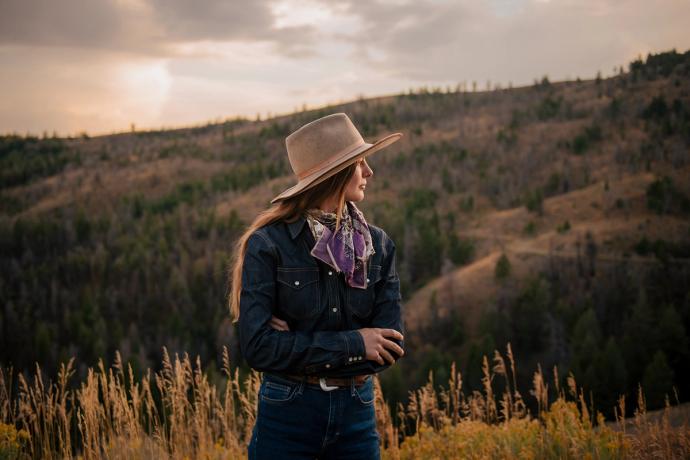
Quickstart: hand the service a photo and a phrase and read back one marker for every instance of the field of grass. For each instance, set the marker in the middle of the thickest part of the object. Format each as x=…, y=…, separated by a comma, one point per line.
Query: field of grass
x=178, y=413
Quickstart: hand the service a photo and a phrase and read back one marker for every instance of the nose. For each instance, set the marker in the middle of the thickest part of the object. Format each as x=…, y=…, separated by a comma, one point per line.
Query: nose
x=368, y=172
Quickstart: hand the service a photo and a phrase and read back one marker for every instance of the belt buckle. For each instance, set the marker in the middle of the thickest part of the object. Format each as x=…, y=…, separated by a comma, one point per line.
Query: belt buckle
x=324, y=387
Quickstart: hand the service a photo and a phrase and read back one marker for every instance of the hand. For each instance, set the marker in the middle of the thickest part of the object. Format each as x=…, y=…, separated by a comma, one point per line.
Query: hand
x=377, y=345
x=278, y=324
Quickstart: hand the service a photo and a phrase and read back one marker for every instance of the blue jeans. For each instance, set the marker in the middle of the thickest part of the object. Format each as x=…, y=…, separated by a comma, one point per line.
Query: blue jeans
x=299, y=420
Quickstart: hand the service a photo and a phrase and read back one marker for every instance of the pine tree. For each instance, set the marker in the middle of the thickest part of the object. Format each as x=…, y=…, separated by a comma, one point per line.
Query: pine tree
x=639, y=338
x=585, y=339
x=609, y=377
x=657, y=382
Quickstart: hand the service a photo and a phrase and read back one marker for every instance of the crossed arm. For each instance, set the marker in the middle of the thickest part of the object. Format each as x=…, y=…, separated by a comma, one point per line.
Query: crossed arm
x=268, y=345
x=376, y=341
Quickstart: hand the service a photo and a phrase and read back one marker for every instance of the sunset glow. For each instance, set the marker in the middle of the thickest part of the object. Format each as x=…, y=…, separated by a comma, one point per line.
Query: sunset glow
x=101, y=66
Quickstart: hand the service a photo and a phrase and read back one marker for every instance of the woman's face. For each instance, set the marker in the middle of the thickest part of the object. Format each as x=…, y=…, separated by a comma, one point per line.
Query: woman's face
x=354, y=190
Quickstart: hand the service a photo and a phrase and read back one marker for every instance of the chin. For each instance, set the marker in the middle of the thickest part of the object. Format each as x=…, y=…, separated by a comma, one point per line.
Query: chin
x=358, y=197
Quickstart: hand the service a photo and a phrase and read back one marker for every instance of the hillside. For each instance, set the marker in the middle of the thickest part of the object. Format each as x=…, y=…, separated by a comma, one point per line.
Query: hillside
x=121, y=242
x=593, y=209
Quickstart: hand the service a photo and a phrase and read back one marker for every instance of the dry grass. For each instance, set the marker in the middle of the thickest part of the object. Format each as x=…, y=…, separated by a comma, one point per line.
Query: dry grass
x=177, y=413
x=174, y=413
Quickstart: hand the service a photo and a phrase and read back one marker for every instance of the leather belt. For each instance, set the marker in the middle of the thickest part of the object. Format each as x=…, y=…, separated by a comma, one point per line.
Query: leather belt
x=328, y=383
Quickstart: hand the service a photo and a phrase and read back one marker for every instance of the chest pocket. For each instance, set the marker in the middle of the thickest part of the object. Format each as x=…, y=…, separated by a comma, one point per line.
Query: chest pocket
x=298, y=291
x=361, y=301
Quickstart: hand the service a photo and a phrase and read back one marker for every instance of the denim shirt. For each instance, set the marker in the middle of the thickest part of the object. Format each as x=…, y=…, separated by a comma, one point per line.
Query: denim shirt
x=280, y=277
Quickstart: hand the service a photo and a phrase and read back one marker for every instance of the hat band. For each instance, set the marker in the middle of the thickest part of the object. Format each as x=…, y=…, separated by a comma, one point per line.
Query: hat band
x=331, y=161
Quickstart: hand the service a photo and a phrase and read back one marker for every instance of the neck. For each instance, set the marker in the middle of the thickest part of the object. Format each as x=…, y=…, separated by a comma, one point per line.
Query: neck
x=329, y=205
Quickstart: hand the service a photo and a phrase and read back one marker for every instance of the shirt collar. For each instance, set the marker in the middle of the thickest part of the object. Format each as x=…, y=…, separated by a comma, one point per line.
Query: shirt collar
x=295, y=227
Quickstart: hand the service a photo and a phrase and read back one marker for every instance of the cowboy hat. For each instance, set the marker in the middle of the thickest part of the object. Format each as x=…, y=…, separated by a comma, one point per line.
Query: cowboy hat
x=323, y=148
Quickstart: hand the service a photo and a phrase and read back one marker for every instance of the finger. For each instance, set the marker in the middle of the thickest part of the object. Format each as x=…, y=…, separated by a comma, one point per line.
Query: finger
x=392, y=333
x=387, y=356
x=394, y=346
x=275, y=324
x=379, y=359
x=279, y=323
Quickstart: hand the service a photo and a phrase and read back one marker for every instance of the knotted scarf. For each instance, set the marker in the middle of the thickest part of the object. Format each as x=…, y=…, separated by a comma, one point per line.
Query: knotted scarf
x=348, y=249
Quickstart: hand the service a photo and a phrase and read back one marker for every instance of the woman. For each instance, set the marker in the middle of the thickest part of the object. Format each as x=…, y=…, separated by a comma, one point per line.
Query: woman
x=317, y=296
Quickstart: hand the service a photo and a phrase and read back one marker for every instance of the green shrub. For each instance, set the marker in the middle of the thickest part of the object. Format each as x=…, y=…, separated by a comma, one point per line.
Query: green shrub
x=548, y=108
x=467, y=203
x=12, y=442
x=663, y=197
x=503, y=267
x=583, y=141
x=564, y=227
x=417, y=199
x=460, y=251
x=534, y=201
x=530, y=228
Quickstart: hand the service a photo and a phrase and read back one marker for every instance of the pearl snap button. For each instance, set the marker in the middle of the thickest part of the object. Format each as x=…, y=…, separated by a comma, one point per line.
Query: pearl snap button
x=335, y=309
x=367, y=280
x=350, y=359
x=330, y=272
x=328, y=365
x=296, y=283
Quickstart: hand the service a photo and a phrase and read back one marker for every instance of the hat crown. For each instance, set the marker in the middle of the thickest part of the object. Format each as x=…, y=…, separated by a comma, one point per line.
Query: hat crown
x=321, y=140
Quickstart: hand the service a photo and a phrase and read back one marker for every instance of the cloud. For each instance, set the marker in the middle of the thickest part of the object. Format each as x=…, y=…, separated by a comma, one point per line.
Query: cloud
x=435, y=41
x=96, y=25
x=187, y=20
x=148, y=27
x=98, y=65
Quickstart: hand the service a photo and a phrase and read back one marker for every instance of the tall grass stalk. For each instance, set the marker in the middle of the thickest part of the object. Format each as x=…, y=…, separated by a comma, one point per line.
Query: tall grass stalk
x=177, y=413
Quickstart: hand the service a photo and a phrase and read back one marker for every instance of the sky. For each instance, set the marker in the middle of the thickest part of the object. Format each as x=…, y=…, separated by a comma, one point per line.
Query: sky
x=101, y=66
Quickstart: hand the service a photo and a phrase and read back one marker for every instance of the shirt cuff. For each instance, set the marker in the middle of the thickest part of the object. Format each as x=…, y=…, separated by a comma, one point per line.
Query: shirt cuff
x=356, y=352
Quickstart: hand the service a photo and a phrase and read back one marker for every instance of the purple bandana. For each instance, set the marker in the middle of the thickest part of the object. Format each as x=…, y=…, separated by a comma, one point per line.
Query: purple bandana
x=346, y=250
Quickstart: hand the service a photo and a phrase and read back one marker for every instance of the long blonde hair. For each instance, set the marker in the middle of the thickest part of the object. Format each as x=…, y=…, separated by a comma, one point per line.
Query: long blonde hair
x=288, y=210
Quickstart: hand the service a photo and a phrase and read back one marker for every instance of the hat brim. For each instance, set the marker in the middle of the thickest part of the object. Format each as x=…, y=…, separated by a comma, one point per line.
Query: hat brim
x=346, y=160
